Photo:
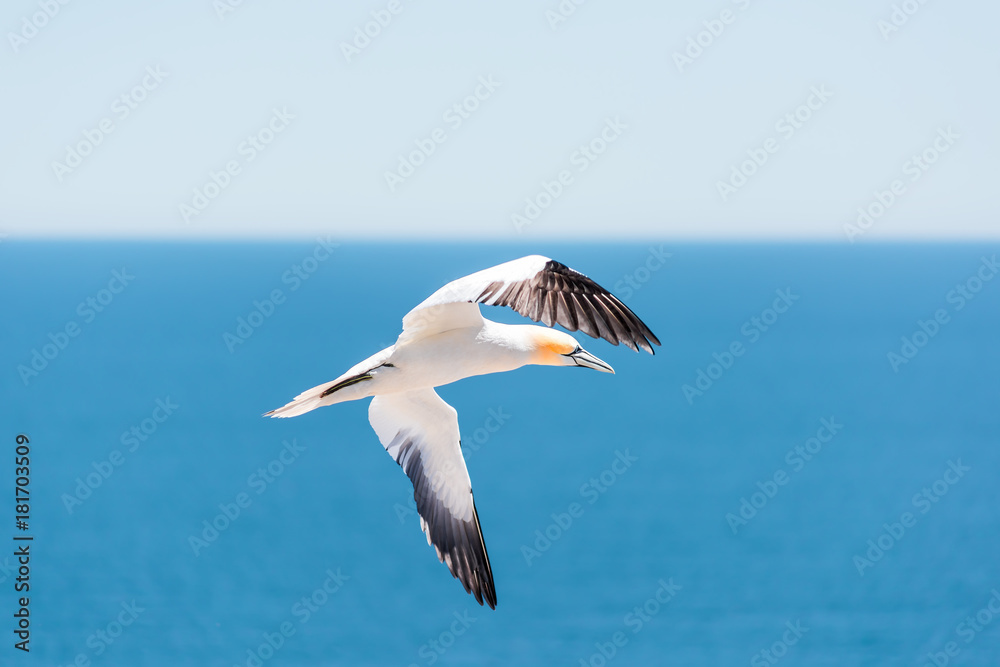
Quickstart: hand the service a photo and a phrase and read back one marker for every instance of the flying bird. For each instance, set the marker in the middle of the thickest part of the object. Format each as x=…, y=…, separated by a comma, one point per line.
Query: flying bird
x=445, y=339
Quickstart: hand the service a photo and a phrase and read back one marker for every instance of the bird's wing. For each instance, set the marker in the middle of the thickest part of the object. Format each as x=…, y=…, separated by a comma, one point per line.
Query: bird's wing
x=444, y=316
x=420, y=431
x=536, y=287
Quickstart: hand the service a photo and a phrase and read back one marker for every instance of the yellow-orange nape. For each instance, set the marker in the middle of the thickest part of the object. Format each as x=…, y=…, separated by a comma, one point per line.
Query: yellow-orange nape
x=551, y=345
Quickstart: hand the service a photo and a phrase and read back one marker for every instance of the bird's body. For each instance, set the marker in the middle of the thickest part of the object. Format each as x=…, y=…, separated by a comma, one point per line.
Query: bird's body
x=446, y=339
x=434, y=361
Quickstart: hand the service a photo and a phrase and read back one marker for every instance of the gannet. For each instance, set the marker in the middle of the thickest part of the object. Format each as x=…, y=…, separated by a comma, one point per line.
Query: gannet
x=445, y=339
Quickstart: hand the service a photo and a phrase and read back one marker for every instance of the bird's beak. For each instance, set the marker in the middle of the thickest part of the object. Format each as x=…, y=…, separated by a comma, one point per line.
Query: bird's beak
x=587, y=360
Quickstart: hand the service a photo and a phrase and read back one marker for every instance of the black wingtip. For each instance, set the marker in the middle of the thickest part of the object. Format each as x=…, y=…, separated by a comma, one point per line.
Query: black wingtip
x=486, y=582
x=489, y=593
x=458, y=543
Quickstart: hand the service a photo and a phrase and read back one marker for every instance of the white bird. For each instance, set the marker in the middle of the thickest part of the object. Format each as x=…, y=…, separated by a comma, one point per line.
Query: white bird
x=445, y=339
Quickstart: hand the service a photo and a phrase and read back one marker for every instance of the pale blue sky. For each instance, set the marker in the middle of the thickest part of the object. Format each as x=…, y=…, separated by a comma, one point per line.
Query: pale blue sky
x=677, y=134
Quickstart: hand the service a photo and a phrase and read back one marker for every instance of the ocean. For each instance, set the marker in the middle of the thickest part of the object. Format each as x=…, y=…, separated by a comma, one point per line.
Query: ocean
x=804, y=474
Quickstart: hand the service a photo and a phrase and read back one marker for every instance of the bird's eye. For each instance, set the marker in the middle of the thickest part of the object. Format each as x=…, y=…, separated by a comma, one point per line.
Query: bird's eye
x=575, y=350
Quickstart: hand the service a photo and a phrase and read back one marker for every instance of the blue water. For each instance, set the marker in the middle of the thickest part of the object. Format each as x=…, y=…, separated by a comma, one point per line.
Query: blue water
x=338, y=503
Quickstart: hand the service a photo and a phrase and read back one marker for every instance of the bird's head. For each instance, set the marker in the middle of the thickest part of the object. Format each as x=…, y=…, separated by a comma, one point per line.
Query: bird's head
x=555, y=348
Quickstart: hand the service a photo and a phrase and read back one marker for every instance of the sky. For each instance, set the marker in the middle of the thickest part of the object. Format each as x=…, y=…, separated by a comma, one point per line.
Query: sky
x=854, y=121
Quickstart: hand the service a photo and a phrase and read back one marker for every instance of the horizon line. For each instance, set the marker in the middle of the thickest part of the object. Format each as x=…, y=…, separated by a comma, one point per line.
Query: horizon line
x=474, y=240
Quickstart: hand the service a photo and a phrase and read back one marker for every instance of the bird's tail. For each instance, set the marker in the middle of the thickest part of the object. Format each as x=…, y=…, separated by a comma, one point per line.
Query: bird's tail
x=331, y=392
x=317, y=397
